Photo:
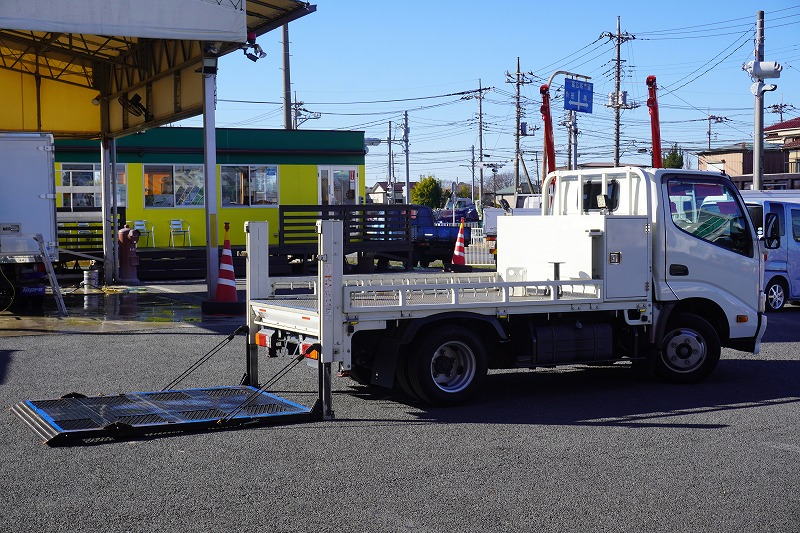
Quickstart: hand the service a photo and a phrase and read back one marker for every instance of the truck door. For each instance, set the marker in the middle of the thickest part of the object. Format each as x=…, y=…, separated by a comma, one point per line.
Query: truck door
x=709, y=241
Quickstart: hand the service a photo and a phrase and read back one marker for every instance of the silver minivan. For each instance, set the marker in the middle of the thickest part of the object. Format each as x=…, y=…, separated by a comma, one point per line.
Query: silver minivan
x=782, y=268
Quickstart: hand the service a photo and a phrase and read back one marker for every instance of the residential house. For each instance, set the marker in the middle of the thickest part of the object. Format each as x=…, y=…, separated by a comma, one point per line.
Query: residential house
x=379, y=193
x=787, y=134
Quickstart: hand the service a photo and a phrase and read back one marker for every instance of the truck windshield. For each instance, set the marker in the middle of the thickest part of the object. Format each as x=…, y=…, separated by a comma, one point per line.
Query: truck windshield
x=460, y=203
x=709, y=211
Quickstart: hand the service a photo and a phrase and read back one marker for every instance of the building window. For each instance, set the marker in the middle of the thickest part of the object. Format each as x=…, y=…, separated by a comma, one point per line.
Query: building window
x=796, y=224
x=244, y=185
x=173, y=186
x=80, y=185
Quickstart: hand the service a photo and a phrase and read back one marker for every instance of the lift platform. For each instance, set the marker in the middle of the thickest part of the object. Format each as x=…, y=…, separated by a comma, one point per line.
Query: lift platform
x=77, y=418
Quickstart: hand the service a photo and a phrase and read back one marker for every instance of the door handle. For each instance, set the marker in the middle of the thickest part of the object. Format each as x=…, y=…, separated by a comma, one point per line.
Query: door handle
x=678, y=270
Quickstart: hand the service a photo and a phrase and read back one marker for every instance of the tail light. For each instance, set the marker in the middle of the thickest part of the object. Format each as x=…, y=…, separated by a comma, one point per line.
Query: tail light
x=262, y=339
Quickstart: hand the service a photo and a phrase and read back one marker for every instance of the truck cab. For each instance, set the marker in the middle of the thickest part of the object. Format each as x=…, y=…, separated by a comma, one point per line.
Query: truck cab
x=705, y=252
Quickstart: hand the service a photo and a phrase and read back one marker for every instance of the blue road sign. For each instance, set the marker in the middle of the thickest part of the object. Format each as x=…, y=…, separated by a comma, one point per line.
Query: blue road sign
x=578, y=95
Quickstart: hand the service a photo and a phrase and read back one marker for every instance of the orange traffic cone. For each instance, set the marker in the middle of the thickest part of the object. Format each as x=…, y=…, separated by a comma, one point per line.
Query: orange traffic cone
x=225, y=300
x=459, y=259
x=226, y=282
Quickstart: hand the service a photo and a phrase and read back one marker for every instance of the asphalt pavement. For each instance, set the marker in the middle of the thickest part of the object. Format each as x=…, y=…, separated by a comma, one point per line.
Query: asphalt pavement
x=574, y=449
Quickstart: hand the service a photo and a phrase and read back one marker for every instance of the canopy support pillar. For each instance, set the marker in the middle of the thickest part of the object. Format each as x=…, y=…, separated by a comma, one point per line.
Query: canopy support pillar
x=106, y=177
x=210, y=172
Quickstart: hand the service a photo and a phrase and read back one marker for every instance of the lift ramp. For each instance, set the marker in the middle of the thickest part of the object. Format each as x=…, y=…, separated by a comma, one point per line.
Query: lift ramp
x=75, y=419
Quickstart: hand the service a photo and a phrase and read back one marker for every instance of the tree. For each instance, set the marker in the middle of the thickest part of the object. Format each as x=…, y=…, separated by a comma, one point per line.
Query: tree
x=427, y=191
x=464, y=191
x=674, y=158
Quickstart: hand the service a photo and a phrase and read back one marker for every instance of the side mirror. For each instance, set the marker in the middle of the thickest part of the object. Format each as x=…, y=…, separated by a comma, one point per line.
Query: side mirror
x=504, y=205
x=772, y=232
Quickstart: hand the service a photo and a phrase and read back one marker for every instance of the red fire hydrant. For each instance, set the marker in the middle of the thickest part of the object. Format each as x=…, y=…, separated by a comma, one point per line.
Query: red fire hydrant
x=127, y=240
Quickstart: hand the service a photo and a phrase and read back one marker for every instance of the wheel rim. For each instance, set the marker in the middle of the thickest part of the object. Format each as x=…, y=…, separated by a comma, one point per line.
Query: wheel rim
x=776, y=296
x=453, y=366
x=684, y=350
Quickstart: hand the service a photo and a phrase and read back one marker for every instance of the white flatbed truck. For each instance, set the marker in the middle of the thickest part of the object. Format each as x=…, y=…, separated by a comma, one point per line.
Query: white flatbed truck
x=624, y=275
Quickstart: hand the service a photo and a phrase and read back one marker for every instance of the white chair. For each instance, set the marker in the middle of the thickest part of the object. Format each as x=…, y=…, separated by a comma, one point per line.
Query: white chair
x=147, y=234
x=176, y=228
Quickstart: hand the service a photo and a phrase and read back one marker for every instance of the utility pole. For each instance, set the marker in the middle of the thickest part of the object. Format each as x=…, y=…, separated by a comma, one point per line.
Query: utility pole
x=571, y=123
x=287, y=82
x=301, y=114
x=518, y=79
x=618, y=100
x=780, y=109
x=567, y=122
x=573, y=130
x=472, y=165
x=480, y=145
x=758, y=112
x=716, y=120
x=390, y=192
x=760, y=70
x=405, y=146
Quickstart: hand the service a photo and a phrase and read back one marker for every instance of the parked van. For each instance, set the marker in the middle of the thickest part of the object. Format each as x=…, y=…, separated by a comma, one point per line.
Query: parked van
x=782, y=268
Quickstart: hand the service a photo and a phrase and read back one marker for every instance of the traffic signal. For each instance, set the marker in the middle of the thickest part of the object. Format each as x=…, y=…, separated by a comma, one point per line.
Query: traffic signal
x=763, y=69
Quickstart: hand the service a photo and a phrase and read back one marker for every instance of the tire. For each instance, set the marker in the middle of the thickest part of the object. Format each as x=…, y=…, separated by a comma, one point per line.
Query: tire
x=448, y=365
x=402, y=382
x=689, y=351
x=777, y=294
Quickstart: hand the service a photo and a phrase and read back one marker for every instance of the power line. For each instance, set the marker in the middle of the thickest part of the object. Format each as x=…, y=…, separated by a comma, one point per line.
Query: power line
x=459, y=93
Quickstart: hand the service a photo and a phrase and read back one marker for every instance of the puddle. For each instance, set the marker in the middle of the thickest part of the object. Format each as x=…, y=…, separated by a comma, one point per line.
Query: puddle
x=98, y=311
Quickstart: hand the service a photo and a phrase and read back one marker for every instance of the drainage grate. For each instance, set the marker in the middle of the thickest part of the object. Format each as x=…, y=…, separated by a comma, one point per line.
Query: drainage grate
x=60, y=420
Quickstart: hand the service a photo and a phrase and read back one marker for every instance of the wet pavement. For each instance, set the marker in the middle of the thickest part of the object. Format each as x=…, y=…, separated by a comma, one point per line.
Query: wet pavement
x=114, y=309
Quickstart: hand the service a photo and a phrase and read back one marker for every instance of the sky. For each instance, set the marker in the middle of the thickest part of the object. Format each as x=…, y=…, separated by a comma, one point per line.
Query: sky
x=352, y=51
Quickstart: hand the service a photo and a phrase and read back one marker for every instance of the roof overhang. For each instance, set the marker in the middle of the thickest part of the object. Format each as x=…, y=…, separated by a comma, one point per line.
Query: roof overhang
x=64, y=74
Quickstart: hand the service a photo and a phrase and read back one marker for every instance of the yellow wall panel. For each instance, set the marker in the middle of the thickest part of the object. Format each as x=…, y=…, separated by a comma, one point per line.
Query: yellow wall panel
x=66, y=108
x=191, y=88
x=19, y=95
x=297, y=184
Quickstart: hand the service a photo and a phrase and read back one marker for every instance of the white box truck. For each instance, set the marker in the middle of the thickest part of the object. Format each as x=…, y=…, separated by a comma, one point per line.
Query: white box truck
x=662, y=268
x=27, y=208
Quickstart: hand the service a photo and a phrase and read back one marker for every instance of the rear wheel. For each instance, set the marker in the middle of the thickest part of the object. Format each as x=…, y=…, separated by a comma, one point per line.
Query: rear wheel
x=689, y=350
x=776, y=294
x=448, y=366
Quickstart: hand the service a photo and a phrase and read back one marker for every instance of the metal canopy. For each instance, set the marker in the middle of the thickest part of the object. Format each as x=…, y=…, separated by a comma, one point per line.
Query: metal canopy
x=88, y=85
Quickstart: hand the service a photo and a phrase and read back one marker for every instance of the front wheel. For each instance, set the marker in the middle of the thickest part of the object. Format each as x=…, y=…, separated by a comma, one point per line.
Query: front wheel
x=689, y=350
x=776, y=295
x=448, y=365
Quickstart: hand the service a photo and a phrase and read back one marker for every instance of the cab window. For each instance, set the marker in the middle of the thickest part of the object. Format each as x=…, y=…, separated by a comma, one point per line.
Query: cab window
x=593, y=189
x=709, y=210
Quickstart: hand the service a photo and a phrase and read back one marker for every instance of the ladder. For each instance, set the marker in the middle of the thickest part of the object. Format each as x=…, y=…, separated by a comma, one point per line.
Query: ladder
x=51, y=275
